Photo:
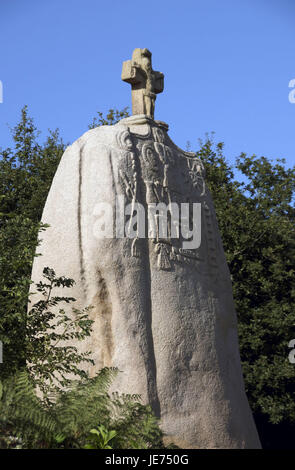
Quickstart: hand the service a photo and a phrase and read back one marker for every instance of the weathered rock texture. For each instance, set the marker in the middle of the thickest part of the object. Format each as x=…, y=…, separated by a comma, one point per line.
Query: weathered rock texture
x=163, y=315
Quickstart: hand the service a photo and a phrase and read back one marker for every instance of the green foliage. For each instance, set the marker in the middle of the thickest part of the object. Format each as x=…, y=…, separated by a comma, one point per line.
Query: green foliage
x=18, y=241
x=26, y=172
x=113, y=116
x=67, y=421
x=52, y=359
x=100, y=438
x=22, y=415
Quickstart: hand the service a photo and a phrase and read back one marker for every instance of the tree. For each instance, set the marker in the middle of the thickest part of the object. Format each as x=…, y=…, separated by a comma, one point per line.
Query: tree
x=26, y=172
x=52, y=360
x=112, y=117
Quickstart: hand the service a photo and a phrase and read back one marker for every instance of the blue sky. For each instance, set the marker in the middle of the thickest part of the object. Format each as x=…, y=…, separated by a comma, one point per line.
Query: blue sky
x=227, y=67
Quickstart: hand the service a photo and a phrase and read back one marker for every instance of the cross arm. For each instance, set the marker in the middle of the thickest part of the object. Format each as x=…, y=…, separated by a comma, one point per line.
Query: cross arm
x=132, y=73
x=159, y=82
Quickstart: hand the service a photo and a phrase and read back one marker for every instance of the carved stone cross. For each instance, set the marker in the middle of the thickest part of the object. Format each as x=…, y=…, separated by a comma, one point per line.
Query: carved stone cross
x=145, y=82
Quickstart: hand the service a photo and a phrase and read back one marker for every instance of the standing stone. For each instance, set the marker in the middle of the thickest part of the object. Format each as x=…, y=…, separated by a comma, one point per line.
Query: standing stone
x=163, y=314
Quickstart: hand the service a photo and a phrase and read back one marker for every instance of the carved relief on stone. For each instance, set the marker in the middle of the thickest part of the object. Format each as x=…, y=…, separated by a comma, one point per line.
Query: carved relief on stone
x=158, y=135
x=127, y=166
x=163, y=251
x=129, y=178
x=152, y=165
x=196, y=173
